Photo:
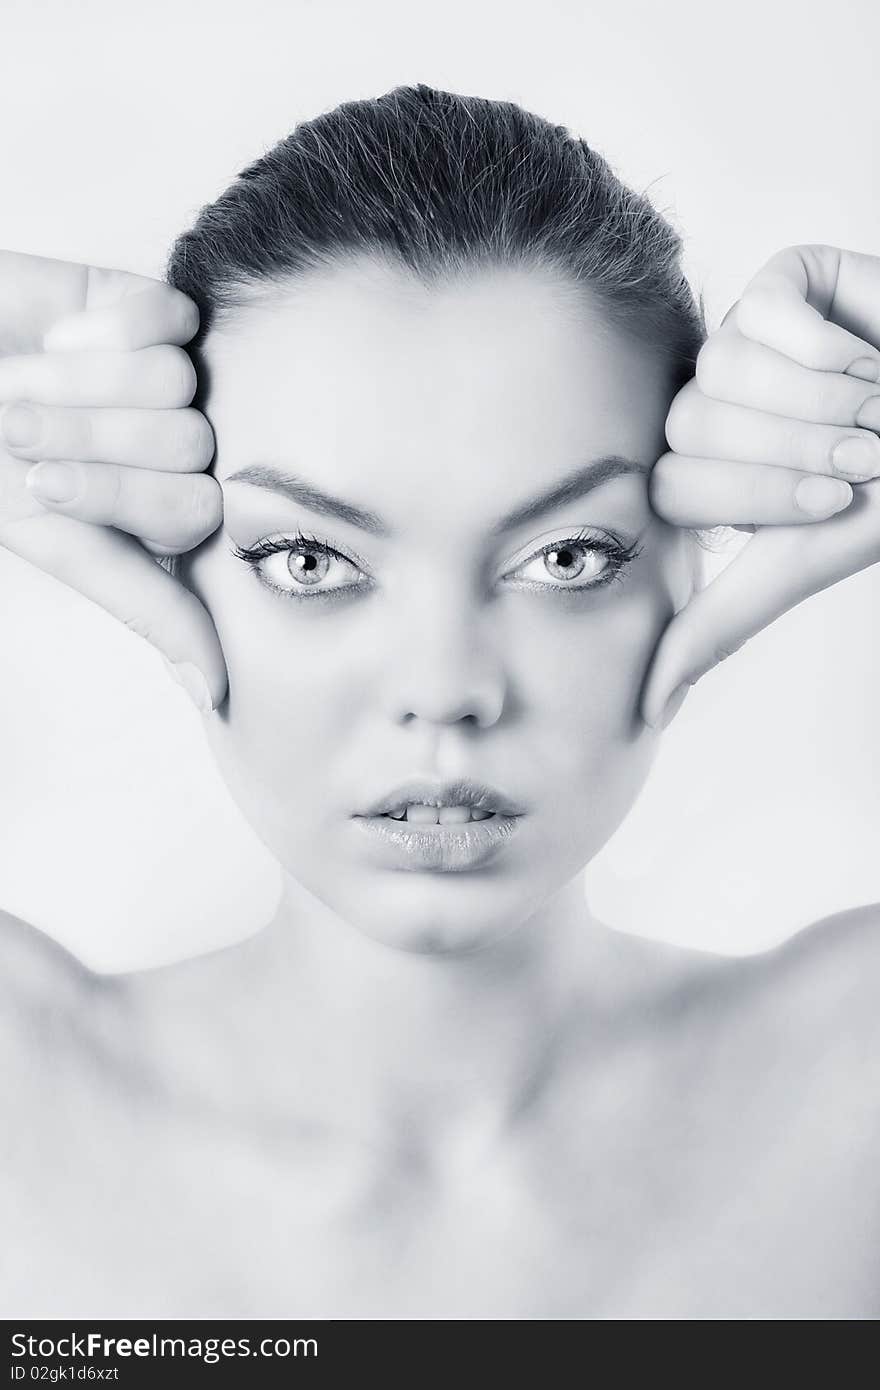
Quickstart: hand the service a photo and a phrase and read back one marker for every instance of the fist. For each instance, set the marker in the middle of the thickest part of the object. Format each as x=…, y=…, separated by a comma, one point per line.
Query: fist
x=776, y=435
x=102, y=456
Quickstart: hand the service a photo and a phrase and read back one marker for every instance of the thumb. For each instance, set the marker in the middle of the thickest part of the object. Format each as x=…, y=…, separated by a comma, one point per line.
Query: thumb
x=113, y=570
x=777, y=569
x=760, y=584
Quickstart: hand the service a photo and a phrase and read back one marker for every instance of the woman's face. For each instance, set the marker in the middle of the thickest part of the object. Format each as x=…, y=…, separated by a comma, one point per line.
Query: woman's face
x=452, y=613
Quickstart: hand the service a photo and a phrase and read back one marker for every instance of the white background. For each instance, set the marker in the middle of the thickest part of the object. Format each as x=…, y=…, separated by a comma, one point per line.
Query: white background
x=754, y=125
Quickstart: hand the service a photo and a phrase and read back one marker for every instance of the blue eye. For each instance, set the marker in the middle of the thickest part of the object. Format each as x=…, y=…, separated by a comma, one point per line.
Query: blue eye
x=299, y=566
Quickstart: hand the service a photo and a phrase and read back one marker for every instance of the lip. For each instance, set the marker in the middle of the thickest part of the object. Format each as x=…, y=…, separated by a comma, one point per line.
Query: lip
x=444, y=848
x=461, y=792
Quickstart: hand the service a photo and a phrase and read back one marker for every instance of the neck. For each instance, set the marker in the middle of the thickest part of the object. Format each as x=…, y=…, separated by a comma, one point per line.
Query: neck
x=315, y=1017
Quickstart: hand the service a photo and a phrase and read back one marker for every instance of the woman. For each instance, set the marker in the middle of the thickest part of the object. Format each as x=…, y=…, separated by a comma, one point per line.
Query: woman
x=440, y=626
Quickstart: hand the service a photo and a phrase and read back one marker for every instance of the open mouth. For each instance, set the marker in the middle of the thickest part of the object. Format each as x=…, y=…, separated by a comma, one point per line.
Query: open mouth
x=445, y=838
x=438, y=815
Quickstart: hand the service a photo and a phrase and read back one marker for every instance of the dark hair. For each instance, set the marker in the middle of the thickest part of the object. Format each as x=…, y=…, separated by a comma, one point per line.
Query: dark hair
x=439, y=183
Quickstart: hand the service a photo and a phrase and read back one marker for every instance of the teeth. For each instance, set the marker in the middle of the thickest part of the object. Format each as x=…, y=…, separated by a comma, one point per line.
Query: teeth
x=438, y=815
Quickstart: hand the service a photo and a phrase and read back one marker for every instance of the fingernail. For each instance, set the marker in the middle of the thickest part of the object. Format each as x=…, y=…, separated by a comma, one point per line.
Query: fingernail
x=865, y=368
x=52, y=482
x=869, y=414
x=20, y=425
x=673, y=705
x=858, y=457
x=190, y=677
x=821, y=496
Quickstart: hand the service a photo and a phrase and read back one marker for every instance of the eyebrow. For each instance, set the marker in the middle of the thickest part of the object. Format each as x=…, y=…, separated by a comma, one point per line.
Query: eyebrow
x=577, y=484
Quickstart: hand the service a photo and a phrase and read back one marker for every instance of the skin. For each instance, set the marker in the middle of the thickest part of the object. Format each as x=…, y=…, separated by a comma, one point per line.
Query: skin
x=444, y=1095
x=440, y=411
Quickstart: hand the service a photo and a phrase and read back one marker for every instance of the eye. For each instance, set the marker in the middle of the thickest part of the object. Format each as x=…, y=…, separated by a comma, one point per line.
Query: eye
x=301, y=566
x=581, y=561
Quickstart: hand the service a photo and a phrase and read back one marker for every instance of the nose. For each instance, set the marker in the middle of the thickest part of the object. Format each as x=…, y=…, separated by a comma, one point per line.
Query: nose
x=446, y=671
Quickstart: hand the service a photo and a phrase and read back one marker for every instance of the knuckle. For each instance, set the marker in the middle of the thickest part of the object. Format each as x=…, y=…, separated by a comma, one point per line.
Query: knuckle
x=754, y=491
x=205, y=506
x=116, y=374
x=186, y=317
x=833, y=399
x=74, y=432
x=662, y=482
x=176, y=375
x=816, y=258
x=682, y=417
x=714, y=367
x=756, y=309
x=795, y=445
x=193, y=440
x=115, y=488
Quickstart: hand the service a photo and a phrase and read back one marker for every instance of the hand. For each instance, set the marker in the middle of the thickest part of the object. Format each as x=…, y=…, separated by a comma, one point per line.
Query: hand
x=777, y=435
x=101, y=455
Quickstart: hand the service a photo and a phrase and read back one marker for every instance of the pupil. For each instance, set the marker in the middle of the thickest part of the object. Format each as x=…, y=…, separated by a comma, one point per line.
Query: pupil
x=307, y=566
x=563, y=558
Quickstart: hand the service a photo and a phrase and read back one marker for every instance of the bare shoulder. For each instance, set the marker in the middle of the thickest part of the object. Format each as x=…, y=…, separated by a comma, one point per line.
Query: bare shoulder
x=47, y=996
x=830, y=969
x=805, y=1011
x=812, y=1005
x=33, y=965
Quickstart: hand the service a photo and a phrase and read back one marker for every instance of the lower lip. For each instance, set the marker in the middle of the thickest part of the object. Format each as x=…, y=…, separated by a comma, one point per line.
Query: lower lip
x=446, y=848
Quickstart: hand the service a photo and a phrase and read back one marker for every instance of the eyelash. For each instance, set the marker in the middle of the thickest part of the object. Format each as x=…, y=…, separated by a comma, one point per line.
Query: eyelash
x=618, y=555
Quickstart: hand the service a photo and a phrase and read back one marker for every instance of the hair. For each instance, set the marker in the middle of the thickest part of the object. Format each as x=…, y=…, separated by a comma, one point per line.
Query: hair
x=438, y=184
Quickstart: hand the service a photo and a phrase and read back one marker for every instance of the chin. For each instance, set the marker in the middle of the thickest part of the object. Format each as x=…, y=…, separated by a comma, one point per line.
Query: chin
x=425, y=914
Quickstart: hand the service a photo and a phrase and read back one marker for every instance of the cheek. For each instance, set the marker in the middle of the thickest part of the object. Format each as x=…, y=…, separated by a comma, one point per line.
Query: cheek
x=287, y=716
x=306, y=682
x=290, y=677
x=586, y=663
x=581, y=673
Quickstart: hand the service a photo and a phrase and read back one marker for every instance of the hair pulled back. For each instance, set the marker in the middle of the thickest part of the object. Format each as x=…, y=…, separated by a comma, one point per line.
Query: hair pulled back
x=440, y=183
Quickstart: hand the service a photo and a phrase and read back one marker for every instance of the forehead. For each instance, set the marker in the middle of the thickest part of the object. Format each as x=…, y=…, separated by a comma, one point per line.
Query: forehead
x=492, y=380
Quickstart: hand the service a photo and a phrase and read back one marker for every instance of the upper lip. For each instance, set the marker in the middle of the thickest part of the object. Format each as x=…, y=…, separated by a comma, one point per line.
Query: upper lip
x=463, y=792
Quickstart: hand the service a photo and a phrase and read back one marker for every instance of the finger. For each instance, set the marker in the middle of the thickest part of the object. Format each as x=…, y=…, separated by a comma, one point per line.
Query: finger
x=777, y=569
x=704, y=428
x=703, y=492
x=144, y=315
x=177, y=441
x=856, y=302
x=114, y=571
x=80, y=306
x=151, y=378
x=178, y=511
x=162, y=552
x=34, y=291
x=736, y=369
x=785, y=306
